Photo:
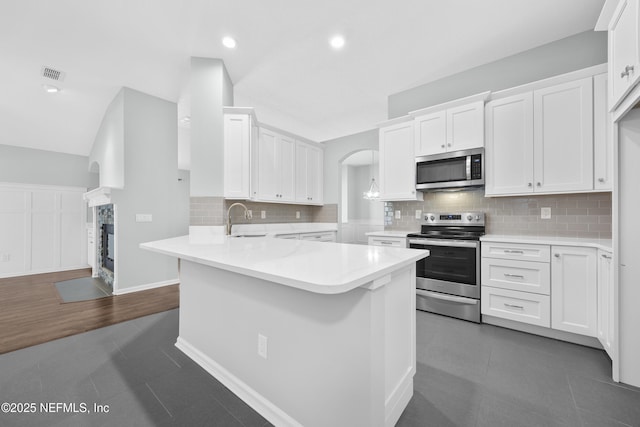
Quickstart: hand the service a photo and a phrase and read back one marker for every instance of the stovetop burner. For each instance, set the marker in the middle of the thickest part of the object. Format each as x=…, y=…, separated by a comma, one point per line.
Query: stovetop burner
x=459, y=226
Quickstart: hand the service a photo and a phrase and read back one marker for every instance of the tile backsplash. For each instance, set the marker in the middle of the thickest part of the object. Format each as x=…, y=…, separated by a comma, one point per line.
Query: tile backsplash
x=213, y=210
x=572, y=215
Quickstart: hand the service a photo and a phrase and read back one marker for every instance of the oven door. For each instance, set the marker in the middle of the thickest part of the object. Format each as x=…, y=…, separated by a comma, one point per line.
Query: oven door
x=453, y=266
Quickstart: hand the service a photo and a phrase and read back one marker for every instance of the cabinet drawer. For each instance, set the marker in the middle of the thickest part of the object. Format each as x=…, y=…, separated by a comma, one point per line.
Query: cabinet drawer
x=519, y=251
x=398, y=242
x=329, y=236
x=523, y=307
x=527, y=276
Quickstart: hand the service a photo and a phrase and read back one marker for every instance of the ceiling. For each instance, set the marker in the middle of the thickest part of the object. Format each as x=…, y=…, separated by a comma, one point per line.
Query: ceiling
x=283, y=65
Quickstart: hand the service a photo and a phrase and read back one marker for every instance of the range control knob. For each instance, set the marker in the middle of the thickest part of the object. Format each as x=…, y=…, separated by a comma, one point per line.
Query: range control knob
x=469, y=217
x=432, y=218
x=477, y=217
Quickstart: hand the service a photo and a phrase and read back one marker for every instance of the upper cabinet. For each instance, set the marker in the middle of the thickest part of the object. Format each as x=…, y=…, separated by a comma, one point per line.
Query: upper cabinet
x=542, y=140
x=309, y=165
x=264, y=165
x=454, y=126
x=397, y=161
x=624, y=57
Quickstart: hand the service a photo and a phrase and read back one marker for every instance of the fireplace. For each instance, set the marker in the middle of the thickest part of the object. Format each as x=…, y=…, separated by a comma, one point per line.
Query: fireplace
x=108, y=246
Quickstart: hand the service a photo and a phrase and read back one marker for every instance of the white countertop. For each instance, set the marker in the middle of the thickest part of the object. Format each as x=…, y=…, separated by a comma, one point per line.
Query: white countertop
x=605, y=244
x=391, y=233
x=319, y=267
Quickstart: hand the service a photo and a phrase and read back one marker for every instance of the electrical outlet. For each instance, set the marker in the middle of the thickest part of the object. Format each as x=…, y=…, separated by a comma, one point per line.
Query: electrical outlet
x=418, y=214
x=262, y=346
x=263, y=214
x=249, y=214
x=398, y=214
x=144, y=218
x=297, y=214
x=545, y=213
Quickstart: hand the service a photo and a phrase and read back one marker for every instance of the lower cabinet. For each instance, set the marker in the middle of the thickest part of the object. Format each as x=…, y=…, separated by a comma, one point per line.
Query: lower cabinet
x=560, y=289
x=606, y=305
x=396, y=242
x=316, y=236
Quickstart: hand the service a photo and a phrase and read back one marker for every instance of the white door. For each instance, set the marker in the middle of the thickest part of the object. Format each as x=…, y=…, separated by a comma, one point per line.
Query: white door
x=509, y=145
x=465, y=127
x=237, y=160
x=397, y=163
x=563, y=137
x=602, y=136
x=268, y=173
x=623, y=46
x=574, y=289
x=431, y=133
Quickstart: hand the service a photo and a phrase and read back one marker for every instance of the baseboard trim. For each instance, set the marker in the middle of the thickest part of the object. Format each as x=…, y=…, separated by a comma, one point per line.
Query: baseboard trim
x=45, y=271
x=399, y=399
x=146, y=287
x=259, y=403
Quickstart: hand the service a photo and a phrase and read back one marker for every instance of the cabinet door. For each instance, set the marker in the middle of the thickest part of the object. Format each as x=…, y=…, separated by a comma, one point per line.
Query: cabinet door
x=573, y=290
x=605, y=302
x=509, y=145
x=602, y=137
x=268, y=173
x=302, y=153
x=623, y=50
x=465, y=127
x=315, y=174
x=431, y=134
x=287, y=168
x=563, y=137
x=397, y=163
x=237, y=156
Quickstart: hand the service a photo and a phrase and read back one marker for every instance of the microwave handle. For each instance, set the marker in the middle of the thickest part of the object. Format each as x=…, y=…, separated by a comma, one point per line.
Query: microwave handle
x=468, y=166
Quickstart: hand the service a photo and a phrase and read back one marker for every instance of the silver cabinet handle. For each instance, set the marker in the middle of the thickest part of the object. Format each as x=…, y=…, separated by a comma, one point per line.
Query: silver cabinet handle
x=539, y=184
x=513, y=251
x=600, y=179
x=605, y=256
x=385, y=242
x=529, y=184
x=448, y=145
x=627, y=70
x=442, y=146
x=519, y=307
x=519, y=276
x=445, y=297
x=556, y=255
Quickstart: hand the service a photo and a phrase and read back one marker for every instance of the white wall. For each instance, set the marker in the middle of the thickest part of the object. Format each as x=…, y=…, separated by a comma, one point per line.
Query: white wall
x=108, y=147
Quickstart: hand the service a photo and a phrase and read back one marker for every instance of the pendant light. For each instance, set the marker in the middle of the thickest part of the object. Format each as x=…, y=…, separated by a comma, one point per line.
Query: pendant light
x=373, y=193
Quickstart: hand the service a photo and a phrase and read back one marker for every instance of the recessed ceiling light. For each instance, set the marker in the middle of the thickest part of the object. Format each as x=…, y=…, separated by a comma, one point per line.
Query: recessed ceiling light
x=50, y=88
x=337, y=42
x=229, y=42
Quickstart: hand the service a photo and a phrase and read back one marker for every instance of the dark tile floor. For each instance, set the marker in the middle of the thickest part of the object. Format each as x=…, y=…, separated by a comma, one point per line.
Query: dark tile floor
x=468, y=375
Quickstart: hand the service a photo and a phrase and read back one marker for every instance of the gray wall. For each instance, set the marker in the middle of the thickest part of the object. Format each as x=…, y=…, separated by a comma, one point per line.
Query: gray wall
x=337, y=150
x=562, y=56
x=359, y=181
x=211, y=89
x=29, y=166
x=107, y=152
x=151, y=187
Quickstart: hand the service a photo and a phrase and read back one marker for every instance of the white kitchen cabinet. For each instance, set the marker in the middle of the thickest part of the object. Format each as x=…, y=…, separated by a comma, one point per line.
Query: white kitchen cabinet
x=526, y=276
x=309, y=174
x=453, y=129
x=397, y=162
x=602, y=136
x=276, y=167
x=574, y=289
x=522, y=307
x=320, y=236
x=606, y=306
x=240, y=133
x=549, y=151
x=509, y=145
x=624, y=58
x=392, y=241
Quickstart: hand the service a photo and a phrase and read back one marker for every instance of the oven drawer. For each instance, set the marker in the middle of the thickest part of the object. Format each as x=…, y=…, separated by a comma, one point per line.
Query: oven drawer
x=525, y=252
x=527, y=276
x=525, y=307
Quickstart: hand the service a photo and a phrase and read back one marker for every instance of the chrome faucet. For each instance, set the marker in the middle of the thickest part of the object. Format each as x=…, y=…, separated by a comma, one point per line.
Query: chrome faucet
x=247, y=215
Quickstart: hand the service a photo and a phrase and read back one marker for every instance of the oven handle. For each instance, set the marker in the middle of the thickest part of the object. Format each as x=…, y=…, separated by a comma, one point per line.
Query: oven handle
x=444, y=242
x=437, y=295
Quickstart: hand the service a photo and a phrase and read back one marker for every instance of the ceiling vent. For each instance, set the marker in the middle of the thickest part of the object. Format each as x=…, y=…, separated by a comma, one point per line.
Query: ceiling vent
x=52, y=73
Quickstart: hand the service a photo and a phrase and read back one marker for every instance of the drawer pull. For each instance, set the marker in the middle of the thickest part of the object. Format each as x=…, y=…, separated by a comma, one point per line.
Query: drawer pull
x=385, y=242
x=511, y=251
x=519, y=307
x=519, y=276
x=606, y=256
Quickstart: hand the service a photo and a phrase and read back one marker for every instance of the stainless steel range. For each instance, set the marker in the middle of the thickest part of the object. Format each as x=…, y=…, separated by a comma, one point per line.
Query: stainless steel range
x=448, y=280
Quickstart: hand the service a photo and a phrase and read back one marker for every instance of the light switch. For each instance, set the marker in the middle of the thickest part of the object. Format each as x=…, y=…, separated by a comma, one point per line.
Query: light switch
x=418, y=214
x=297, y=214
x=263, y=214
x=144, y=218
x=398, y=214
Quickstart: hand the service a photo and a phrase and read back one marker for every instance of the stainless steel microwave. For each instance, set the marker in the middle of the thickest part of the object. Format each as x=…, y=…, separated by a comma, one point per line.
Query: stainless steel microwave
x=453, y=170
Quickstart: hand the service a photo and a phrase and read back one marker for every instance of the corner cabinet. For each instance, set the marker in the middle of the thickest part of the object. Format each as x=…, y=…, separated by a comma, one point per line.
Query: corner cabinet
x=541, y=141
x=397, y=161
x=574, y=290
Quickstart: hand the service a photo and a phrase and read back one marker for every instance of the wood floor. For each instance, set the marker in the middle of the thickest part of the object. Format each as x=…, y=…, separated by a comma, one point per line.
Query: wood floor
x=31, y=311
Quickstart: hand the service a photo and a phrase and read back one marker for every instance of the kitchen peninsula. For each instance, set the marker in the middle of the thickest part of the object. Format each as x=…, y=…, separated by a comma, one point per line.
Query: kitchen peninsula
x=307, y=333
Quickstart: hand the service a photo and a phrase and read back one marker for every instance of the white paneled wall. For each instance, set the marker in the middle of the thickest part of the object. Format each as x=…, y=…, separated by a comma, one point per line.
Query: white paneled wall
x=42, y=229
